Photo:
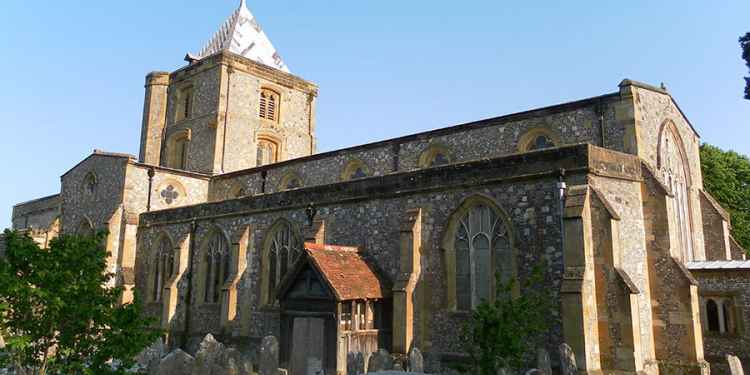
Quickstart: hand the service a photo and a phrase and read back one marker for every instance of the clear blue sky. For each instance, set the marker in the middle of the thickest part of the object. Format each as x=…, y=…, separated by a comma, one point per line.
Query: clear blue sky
x=71, y=72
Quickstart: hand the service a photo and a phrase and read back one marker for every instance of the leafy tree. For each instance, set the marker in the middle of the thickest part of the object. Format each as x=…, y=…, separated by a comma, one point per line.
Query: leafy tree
x=726, y=175
x=504, y=333
x=57, y=313
x=745, y=44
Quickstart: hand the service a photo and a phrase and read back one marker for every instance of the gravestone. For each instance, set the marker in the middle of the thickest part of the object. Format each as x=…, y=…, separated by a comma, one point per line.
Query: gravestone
x=148, y=360
x=380, y=361
x=543, y=363
x=567, y=360
x=355, y=363
x=534, y=371
x=416, y=361
x=176, y=363
x=735, y=366
x=209, y=358
x=269, y=356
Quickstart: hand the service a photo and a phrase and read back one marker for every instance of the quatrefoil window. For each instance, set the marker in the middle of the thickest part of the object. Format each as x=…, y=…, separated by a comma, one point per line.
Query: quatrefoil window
x=170, y=194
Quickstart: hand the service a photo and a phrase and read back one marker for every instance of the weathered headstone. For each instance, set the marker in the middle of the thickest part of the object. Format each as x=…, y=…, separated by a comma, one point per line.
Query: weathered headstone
x=176, y=363
x=416, y=361
x=568, y=364
x=534, y=371
x=380, y=361
x=735, y=366
x=543, y=362
x=269, y=356
x=148, y=360
x=355, y=363
x=209, y=358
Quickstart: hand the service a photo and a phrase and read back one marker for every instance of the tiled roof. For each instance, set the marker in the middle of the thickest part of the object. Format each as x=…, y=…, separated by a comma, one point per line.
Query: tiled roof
x=720, y=265
x=346, y=272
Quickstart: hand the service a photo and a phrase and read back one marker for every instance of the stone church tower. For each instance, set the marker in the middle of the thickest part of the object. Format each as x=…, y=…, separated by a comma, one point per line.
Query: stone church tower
x=228, y=111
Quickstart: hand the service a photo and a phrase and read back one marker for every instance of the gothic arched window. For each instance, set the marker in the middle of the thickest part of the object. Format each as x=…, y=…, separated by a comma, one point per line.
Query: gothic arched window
x=675, y=174
x=283, y=249
x=185, y=103
x=269, y=105
x=164, y=267
x=720, y=315
x=712, y=315
x=355, y=169
x=85, y=228
x=217, y=267
x=267, y=152
x=434, y=156
x=482, y=247
x=538, y=139
x=177, y=150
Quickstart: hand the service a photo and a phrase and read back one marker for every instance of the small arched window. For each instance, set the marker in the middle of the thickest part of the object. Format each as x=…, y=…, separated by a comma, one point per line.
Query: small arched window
x=177, y=150
x=267, y=152
x=355, y=169
x=218, y=267
x=269, y=105
x=434, y=156
x=538, y=139
x=164, y=267
x=85, y=228
x=283, y=250
x=290, y=182
x=720, y=315
x=185, y=103
x=89, y=183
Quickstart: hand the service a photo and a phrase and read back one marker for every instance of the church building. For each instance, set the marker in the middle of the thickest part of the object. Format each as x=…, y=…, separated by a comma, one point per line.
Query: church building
x=229, y=222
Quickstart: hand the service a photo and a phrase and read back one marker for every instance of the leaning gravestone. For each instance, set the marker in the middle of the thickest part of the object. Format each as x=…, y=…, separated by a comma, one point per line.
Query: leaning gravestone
x=355, y=363
x=416, y=361
x=269, y=356
x=543, y=363
x=380, y=361
x=735, y=366
x=567, y=360
x=176, y=363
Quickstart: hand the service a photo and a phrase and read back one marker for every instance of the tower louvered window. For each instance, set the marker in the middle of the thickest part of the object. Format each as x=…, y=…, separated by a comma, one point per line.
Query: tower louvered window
x=269, y=105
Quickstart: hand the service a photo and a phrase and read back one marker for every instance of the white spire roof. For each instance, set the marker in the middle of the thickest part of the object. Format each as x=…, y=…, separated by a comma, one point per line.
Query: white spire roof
x=242, y=35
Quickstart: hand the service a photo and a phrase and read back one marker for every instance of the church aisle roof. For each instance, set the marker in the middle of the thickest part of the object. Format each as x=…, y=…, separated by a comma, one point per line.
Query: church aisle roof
x=719, y=265
x=241, y=34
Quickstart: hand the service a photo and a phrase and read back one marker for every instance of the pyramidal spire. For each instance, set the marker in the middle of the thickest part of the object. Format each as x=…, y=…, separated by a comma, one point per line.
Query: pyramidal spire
x=241, y=34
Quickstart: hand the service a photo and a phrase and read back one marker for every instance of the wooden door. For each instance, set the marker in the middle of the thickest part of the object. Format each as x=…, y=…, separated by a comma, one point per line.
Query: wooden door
x=308, y=346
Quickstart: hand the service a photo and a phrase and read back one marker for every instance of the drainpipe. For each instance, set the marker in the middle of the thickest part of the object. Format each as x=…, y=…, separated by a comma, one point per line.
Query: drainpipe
x=189, y=293
x=600, y=112
x=562, y=188
x=151, y=173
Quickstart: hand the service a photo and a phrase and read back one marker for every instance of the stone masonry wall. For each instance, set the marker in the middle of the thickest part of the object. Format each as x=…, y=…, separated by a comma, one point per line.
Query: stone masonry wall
x=654, y=109
x=37, y=214
x=367, y=213
x=734, y=284
x=572, y=123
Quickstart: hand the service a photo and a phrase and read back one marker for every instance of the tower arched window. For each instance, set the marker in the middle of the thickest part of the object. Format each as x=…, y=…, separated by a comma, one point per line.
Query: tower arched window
x=217, y=267
x=164, y=267
x=267, y=152
x=482, y=250
x=184, y=103
x=283, y=249
x=177, y=150
x=269, y=105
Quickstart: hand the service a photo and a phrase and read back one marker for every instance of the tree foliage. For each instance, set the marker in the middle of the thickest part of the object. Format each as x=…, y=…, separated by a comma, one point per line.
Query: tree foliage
x=745, y=44
x=726, y=176
x=504, y=333
x=58, y=314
